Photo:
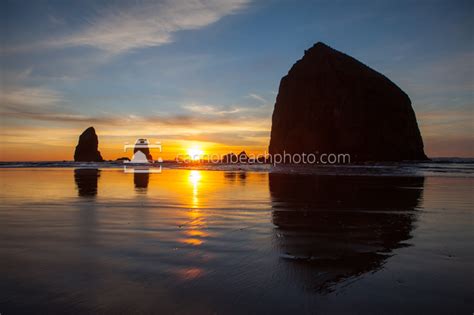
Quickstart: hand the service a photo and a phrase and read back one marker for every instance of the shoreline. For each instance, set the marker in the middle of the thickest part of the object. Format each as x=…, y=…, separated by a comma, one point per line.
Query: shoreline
x=464, y=168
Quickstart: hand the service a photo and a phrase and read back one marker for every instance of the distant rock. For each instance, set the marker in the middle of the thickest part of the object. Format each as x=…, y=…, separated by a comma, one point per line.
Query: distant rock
x=230, y=158
x=124, y=158
x=86, y=149
x=331, y=103
x=243, y=157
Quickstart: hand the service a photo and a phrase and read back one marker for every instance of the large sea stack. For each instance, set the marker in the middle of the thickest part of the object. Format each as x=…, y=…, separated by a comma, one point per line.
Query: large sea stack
x=331, y=103
x=86, y=149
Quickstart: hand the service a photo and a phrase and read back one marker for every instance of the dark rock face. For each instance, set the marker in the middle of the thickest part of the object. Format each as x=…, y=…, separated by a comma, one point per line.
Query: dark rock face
x=230, y=158
x=124, y=158
x=243, y=157
x=86, y=149
x=331, y=103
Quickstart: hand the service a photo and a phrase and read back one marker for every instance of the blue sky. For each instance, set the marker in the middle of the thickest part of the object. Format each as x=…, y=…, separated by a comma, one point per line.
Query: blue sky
x=209, y=71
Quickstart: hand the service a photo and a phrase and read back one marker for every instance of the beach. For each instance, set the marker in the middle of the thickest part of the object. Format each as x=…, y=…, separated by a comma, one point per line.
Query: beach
x=82, y=240
x=237, y=157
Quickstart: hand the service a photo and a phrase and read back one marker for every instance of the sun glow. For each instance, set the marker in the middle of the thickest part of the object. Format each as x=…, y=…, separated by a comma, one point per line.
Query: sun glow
x=195, y=153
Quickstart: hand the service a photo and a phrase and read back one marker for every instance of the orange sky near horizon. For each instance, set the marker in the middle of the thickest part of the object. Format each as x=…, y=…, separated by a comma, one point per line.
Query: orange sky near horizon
x=54, y=145
x=111, y=148
x=110, y=151
x=212, y=137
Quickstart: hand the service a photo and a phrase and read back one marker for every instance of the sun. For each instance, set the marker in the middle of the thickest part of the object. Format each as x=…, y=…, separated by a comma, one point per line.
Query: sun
x=195, y=153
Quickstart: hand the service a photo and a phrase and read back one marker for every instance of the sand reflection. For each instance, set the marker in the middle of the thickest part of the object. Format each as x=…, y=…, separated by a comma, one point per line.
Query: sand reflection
x=194, y=178
x=194, y=227
x=193, y=230
x=239, y=177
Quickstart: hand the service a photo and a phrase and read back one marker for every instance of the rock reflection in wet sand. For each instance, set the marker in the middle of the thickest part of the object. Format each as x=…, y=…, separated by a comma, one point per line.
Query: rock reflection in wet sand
x=86, y=181
x=331, y=228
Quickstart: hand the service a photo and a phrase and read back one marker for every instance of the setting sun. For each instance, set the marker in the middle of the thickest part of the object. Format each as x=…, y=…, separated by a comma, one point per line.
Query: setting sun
x=195, y=153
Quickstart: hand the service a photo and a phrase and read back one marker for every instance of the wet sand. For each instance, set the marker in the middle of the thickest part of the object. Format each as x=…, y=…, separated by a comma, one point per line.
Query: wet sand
x=195, y=241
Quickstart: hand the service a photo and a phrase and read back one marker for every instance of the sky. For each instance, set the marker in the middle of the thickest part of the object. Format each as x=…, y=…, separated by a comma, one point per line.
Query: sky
x=206, y=73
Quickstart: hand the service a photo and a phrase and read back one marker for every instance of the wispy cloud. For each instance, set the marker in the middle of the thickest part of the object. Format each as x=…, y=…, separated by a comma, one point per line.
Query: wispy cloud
x=118, y=30
x=236, y=112
x=38, y=104
x=211, y=110
x=258, y=98
x=20, y=104
x=28, y=98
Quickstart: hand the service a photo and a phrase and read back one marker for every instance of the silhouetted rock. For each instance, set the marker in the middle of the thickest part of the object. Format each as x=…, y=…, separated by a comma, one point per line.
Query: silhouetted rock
x=331, y=103
x=86, y=149
x=230, y=158
x=124, y=158
x=243, y=157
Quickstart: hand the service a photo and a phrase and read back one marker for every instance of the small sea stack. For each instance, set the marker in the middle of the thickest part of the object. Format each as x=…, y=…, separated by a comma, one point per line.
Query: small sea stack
x=87, y=147
x=330, y=102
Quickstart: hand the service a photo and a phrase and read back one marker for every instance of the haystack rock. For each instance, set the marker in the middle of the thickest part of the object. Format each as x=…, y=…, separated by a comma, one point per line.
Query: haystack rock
x=331, y=103
x=86, y=149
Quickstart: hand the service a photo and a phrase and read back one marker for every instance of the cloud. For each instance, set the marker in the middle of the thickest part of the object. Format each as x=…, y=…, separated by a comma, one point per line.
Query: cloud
x=20, y=104
x=232, y=113
x=28, y=98
x=38, y=104
x=211, y=110
x=258, y=98
x=119, y=30
x=62, y=130
x=230, y=138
